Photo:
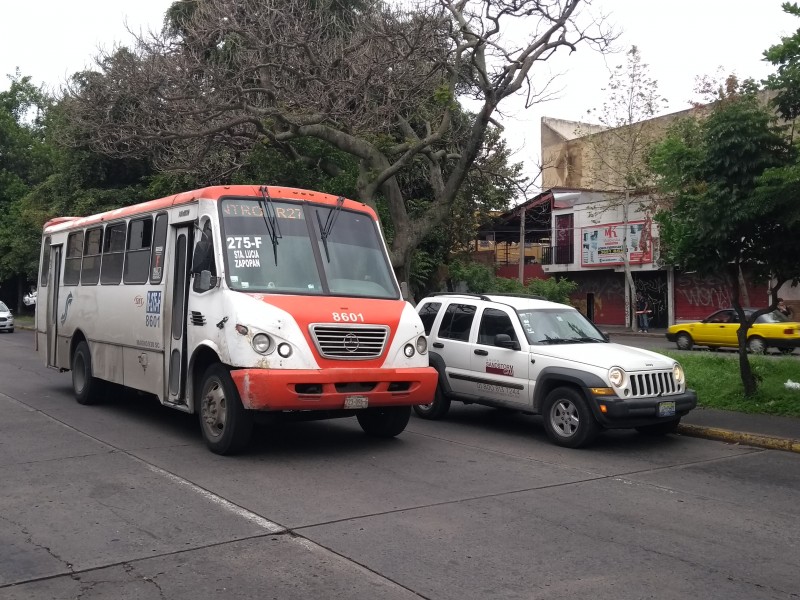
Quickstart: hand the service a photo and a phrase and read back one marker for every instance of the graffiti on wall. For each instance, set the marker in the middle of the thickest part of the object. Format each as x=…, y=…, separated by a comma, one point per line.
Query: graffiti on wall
x=696, y=296
x=709, y=292
x=655, y=290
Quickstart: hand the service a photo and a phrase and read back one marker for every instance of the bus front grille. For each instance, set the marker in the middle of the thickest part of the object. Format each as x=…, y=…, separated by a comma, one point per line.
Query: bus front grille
x=350, y=342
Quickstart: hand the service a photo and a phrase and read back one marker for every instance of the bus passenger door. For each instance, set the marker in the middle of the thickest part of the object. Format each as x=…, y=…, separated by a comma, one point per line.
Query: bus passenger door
x=177, y=300
x=51, y=312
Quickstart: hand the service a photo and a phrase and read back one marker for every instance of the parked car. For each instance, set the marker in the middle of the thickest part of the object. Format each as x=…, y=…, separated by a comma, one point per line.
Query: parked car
x=541, y=357
x=721, y=330
x=6, y=319
x=29, y=299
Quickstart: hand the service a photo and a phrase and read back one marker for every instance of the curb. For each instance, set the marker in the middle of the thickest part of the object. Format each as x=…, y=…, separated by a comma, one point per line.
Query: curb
x=737, y=437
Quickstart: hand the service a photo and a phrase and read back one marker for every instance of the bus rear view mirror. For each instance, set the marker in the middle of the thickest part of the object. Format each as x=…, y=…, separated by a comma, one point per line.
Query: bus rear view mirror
x=201, y=259
x=205, y=281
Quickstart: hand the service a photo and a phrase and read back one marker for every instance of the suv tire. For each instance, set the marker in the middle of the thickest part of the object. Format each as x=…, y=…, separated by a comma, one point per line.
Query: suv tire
x=436, y=409
x=568, y=421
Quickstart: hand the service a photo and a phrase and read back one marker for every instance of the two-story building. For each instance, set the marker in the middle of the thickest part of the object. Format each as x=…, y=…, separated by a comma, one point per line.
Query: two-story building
x=577, y=230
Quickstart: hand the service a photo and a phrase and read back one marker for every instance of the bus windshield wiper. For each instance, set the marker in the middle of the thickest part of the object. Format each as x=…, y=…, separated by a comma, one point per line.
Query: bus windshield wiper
x=325, y=230
x=270, y=220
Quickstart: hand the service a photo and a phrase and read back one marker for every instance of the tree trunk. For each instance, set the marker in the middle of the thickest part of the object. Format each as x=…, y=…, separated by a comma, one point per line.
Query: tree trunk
x=746, y=373
x=748, y=380
x=626, y=263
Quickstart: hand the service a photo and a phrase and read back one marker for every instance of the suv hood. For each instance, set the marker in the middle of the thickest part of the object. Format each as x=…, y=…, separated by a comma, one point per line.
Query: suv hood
x=606, y=356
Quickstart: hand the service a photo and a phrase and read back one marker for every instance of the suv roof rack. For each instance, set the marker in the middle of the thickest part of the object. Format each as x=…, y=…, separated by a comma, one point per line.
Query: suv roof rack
x=486, y=296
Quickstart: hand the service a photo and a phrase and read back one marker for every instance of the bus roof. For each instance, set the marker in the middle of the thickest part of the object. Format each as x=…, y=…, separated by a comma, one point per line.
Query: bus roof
x=208, y=193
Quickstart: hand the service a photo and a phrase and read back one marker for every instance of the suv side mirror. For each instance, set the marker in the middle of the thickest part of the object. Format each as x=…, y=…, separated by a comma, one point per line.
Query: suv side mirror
x=504, y=341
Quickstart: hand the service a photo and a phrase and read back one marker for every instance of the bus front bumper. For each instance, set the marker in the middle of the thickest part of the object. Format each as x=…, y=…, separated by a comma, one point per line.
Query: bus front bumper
x=331, y=389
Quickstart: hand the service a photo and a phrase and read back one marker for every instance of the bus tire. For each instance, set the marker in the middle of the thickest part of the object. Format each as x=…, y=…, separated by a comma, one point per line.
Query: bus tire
x=87, y=388
x=384, y=422
x=226, y=425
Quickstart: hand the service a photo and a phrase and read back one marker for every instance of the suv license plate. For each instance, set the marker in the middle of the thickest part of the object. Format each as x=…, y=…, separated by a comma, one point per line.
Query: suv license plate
x=363, y=401
x=666, y=409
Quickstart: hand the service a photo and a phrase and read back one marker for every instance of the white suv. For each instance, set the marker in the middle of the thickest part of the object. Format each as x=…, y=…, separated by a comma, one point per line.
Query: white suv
x=540, y=357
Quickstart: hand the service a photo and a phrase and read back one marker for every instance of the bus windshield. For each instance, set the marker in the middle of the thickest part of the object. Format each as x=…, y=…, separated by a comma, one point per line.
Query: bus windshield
x=286, y=258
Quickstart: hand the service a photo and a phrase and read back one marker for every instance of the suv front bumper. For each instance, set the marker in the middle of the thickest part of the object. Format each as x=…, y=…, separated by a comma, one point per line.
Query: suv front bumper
x=621, y=414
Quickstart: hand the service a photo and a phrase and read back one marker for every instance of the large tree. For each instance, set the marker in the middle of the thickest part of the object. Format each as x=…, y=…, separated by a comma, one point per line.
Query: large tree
x=378, y=83
x=25, y=161
x=722, y=217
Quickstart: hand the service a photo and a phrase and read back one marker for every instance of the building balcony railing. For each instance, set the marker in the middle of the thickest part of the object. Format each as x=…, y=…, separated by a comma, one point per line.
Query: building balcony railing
x=558, y=255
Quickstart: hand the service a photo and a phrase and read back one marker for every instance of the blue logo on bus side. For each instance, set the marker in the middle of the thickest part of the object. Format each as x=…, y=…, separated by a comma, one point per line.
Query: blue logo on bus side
x=152, y=317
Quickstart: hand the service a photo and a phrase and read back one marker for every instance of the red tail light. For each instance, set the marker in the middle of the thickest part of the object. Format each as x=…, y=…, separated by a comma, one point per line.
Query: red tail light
x=788, y=331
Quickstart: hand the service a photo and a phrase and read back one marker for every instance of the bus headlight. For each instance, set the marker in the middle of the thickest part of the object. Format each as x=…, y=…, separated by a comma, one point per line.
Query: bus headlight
x=616, y=376
x=262, y=343
x=422, y=344
x=677, y=373
x=285, y=350
x=408, y=350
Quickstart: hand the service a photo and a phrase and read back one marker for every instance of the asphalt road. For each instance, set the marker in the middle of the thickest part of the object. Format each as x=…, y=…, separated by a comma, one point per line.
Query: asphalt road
x=123, y=501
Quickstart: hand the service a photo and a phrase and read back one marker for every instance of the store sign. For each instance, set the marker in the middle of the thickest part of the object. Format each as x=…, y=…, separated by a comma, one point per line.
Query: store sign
x=603, y=244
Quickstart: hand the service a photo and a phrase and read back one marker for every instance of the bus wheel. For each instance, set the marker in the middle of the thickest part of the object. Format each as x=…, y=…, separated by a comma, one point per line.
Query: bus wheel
x=225, y=423
x=88, y=389
x=385, y=422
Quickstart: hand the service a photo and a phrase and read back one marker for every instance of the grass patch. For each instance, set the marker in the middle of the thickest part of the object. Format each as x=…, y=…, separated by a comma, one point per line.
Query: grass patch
x=716, y=379
x=23, y=320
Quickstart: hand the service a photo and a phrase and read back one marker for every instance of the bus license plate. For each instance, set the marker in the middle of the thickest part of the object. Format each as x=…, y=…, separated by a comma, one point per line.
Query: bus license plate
x=359, y=402
x=666, y=409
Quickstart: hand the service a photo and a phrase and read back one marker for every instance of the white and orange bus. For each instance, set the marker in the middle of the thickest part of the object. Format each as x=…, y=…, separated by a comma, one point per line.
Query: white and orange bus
x=230, y=300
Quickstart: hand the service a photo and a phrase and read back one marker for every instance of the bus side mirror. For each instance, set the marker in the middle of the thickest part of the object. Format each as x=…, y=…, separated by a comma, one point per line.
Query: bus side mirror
x=201, y=260
x=205, y=281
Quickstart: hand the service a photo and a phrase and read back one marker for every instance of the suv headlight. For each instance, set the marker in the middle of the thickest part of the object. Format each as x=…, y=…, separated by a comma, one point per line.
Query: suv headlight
x=616, y=376
x=677, y=373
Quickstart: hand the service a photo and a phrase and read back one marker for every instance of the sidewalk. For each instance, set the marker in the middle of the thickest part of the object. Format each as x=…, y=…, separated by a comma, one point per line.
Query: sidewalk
x=763, y=431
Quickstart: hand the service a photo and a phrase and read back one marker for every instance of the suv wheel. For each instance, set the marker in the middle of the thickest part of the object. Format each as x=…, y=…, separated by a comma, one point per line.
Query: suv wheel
x=568, y=421
x=436, y=409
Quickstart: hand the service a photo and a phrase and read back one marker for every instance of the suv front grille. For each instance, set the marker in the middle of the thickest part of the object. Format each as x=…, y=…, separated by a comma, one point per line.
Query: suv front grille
x=349, y=342
x=654, y=383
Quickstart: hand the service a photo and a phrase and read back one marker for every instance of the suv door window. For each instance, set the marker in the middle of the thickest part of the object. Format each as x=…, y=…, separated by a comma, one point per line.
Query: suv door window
x=457, y=322
x=494, y=322
x=428, y=315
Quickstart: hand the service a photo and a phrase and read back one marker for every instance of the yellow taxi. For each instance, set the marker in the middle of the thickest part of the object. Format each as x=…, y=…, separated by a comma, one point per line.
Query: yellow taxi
x=721, y=330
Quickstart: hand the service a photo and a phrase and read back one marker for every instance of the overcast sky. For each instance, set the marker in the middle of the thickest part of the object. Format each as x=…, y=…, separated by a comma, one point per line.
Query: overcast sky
x=678, y=39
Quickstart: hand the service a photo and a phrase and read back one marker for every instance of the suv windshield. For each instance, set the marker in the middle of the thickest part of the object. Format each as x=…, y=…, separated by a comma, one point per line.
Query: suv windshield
x=354, y=263
x=558, y=326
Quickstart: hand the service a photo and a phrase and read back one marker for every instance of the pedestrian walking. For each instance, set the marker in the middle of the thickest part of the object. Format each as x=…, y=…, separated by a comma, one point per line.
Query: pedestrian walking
x=643, y=313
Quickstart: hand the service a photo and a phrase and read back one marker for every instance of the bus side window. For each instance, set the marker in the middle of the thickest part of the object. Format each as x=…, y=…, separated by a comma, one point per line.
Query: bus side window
x=113, y=254
x=137, y=254
x=92, y=245
x=159, y=243
x=72, y=264
x=45, y=270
